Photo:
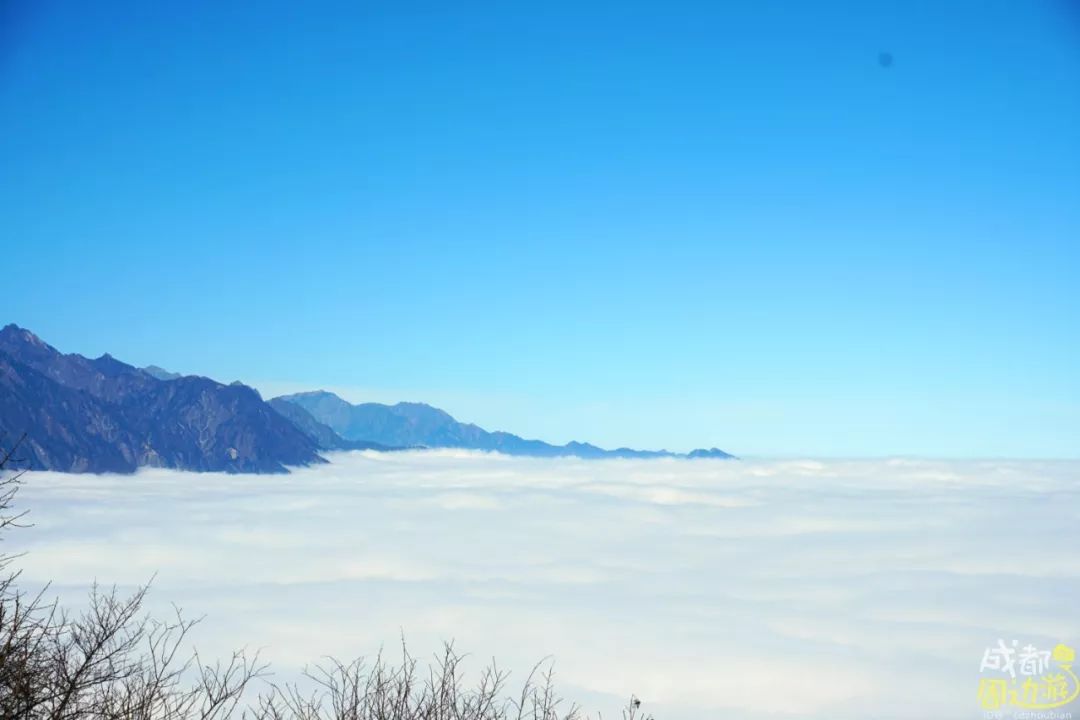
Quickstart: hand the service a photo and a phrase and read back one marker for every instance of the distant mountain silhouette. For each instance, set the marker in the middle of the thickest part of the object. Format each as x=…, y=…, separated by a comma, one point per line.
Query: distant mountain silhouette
x=161, y=373
x=323, y=436
x=417, y=424
x=709, y=453
x=103, y=415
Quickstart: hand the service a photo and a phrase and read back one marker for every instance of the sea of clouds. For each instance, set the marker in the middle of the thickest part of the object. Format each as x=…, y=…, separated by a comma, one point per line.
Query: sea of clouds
x=711, y=589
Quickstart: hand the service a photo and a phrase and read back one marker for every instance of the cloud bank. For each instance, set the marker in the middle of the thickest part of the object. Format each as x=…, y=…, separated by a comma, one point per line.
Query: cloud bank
x=750, y=589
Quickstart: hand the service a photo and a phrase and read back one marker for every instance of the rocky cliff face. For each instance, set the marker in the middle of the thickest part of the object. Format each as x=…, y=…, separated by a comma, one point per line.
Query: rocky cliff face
x=103, y=415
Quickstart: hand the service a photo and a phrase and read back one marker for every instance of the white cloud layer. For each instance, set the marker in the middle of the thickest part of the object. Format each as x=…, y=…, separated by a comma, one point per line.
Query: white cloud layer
x=747, y=589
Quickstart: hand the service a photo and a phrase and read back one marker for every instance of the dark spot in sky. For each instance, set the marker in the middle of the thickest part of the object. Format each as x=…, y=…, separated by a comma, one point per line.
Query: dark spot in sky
x=884, y=59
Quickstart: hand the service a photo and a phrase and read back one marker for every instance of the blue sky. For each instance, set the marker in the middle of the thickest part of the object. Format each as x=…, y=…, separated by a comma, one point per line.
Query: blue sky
x=671, y=224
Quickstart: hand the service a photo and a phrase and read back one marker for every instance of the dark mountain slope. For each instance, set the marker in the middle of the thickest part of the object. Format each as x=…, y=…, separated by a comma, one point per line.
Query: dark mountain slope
x=66, y=429
x=103, y=415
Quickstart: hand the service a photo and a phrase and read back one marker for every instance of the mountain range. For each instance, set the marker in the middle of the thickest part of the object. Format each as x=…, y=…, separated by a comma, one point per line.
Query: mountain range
x=103, y=415
x=416, y=424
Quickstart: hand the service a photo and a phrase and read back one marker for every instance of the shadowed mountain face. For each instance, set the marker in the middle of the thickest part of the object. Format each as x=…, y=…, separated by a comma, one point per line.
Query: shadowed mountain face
x=102, y=415
x=417, y=424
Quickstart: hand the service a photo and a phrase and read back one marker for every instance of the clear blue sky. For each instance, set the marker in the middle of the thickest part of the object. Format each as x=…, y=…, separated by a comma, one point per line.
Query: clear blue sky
x=652, y=224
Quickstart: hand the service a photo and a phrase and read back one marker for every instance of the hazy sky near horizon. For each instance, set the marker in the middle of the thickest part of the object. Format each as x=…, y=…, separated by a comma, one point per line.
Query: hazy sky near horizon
x=678, y=224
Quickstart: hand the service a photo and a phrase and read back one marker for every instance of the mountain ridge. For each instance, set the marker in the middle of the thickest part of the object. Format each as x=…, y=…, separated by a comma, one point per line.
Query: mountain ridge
x=100, y=414
x=420, y=424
